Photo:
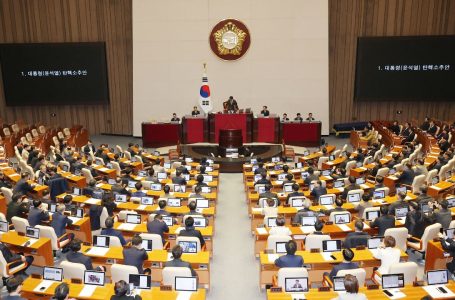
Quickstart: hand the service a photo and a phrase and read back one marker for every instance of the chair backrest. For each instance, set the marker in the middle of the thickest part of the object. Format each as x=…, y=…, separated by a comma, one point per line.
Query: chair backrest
x=122, y=272
x=430, y=175
x=116, y=167
x=431, y=232
x=87, y=174
x=322, y=160
x=30, y=171
x=127, y=154
x=334, y=213
x=417, y=183
x=29, y=137
x=169, y=274
x=349, y=166
x=64, y=163
x=114, y=241
x=139, y=158
x=367, y=160
x=189, y=239
x=359, y=273
x=72, y=270
x=314, y=241
x=8, y=193
x=157, y=241
x=6, y=132
x=385, y=189
x=35, y=132
x=119, y=149
x=409, y=269
x=273, y=239
x=284, y=273
x=443, y=171
x=60, y=135
x=20, y=224
x=452, y=224
x=42, y=129
x=383, y=172
x=104, y=215
x=49, y=232
x=2, y=217
x=99, y=161
x=66, y=131
x=400, y=234
x=368, y=209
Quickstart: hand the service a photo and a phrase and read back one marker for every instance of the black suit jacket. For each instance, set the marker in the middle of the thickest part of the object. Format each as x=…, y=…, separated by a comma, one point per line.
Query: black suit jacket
x=190, y=231
x=354, y=239
x=77, y=257
x=135, y=257
x=383, y=223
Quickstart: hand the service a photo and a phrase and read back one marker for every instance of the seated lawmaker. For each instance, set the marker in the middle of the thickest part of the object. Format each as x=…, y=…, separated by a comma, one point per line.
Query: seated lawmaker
x=448, y=245
x=14, y=288
x=338, y=208
x=110, y=231
x=310, y=118
x=136, y=255
x=298, y=118
x=175, y=118
x=75, y=256
x=177, y=261
x=384, y=222
x=37, y=214
x=290, y=260
x=162, y=205
x=158, y=226
x=318, y=190
x=347, y=263
x=280, y=228
x=265, y=112
x=17, y=208
x=284, y=118
x=18, y=258
x=200, y=181
x=263, y=180
x=191, y=231
x=195, y=112
x=295, y=192
x=60, y=221
x=271, y=209
x=304, y=212
x=178, y=179
x=399, y=203
x=358, y=237
x=268, y=194
x=122, y=292
x=407, y=176
x=366, y=203
x=352, y=186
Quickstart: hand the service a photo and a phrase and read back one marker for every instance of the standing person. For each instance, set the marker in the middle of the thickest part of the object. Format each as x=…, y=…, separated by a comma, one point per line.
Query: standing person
x=231, y=105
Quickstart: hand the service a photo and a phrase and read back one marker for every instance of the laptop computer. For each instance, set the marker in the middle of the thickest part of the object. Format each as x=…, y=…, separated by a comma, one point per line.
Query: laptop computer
x=132, y=183
x=188, y=247
x=326, y=200
x=374, y=242
x=451, y=201
x=353, y=198
x=186, y=284
x=297, y=202
x=119, y=198
x=155, y=186
x=174, y=202
x=133, y=219
x=180, y=188
x=338, y=183
x=32, y=232
x=287, y=188
x=280, y=247
x=168, y=220
x=342, y=218
x=282, y=176
x=200, y=222
x=449, y=232
x=331, y=245
x=371, y=215
x=401, y=189
x=101, y=241
x=437, y=277
x=206, y=189
x=338, y=284
x=401, y=212
x=392, y=281
x=360, y=180
x=309, y=221
x=140, y=281
x=161, y=175
x=147, y=244
x=4, y=226
x=54, y=274
x=202, y=203
x=94, y=278
x=326, y=173
x=147, y=200
x=208, y=178
x=271, y=222
x=296, y=284
x=379, y=194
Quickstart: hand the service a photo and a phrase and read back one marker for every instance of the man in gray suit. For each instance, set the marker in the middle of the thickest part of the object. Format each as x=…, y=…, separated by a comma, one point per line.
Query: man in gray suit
x=177, y=261
x=443, y=215
x=136, y=255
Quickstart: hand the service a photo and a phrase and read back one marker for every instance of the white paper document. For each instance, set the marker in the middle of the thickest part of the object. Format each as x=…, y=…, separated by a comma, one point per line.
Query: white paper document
x=436, y=292
x=184, y=296
x=328, y=207
x=272, y=257
x=297, y=296
x=87, y=291
x=74, y=219
x=93, y=201
x=307, y=229
x=43, y=286
x=103, y=169
x=326, y=256
x=99, y=185
x=98, y=251
x=365, y=226
x=141, y=207
x=279, y=182
x=127, y=226
x=396, y=294
x=261, y=231
x=344, y=227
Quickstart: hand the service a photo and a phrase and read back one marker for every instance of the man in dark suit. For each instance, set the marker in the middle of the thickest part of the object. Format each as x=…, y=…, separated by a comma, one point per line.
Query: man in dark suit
x=38, y=162
x=22, y=186
x=178, y=179
x=352, y=186
x=395, y=128
x=95, y=214
x=304, y=212
x=360, y=156
x=260, y=169
x=158, y=226
x=358, y=237
x=176, y=261
x=290, y=260
x=36, y=215
x=384, y=222
x=284, y=118
x=295, y=192
x=406, y=130
x=338, y=207
x=426, y=124
x=318, y=190
x=75, y=256
x=231, y=105
x=310, y=177
x=191, y=231
x=88, y=190
x=136, y=255
x=400, y=202
x=60, y=221
x=443, y=214
x=407, y=176
x=139, y=192
x=161, y=205
x=110, y=231
x=16, y=208
x=432, y=128
x=3, y=181
x=439, y=163
x=89, y=147
x=119, y=187
x=265, y=112
x=263, y=180
x=91, y=169
x=298, y=118
x=77, y=165
x=268, y=194
x=347, y=263
x=15, y=257
x=424, y=198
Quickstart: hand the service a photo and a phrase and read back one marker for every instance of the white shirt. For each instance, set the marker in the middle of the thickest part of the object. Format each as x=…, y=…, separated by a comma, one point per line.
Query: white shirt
x=388, y=256
x=280, y=230
x=349, y=296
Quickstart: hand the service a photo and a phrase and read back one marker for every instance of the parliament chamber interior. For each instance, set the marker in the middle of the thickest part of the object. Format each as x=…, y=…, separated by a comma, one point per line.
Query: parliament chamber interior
x=214, y=149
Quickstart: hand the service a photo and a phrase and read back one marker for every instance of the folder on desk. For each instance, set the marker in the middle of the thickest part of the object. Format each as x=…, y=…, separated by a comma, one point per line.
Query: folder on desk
x=98, y=251
x=43, y=286
x=87, y=291
x=93, y=201
x=344, y=227
x=434, y=291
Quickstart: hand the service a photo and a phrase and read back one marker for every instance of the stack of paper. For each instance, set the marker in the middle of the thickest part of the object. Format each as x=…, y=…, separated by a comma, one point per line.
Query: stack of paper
x=74, y=219
x=435, y=292
x=326, y=256
x=141, y=207
x=365, y=226
x=87, y=291
x=261, y=231
x=98, y=251
x=298, y=296
x=344, y=227
x=43, y=286
x=127, y=226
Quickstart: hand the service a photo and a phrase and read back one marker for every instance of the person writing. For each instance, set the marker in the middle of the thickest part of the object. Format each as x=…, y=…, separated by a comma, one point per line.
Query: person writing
x=231, y=105
x=265, y=112
x=195, y=112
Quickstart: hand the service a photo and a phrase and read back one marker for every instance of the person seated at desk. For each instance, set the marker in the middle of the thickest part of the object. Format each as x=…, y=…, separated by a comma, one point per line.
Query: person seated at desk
x=22, y=186
x=388, y=254
x=442, y=214
x=395, y=128
x=448, y=245
x=202, y=170
x=443, y=144
x=120, y=187
x=347, y=264
x=19, y=257
x=177, y=261
x=289, y=179
x=260, y=169
x=127, y=176
x=311, y=177
x=92, y=170
x=17, y=208
x=89, y=147
x=384, y=222
x=338, y=208
x=409, y=138
x=151, y=176
x=192, y=207
x=157, y=167
x=298, y=118
x=360, y=208
x=75, y=256
x=379, y=182
x=268, y=194
x=166, y=192
x=407, y=176
x=139, y=192
x=88, y=190
x=158, y=226
x=295, y=192
x=406, y=130
x=195, y=112
x=4, y=181
x=265, y=112
x=290, y=260
x=200, y=181
x=271, y=209
x=339, y=173
x=161, y=205
x=284, y=118
x=231, y=105
x=310, y=118
x=175, y=118
x=352, y=186
x=191, y=231
x=101, y=154
x=121, y=291
x=358, y=237
x=318, y=190
x=60, y=221
x=304, y=212
x=416, y=221
x=263, y=180
x=351, y=285
x=76, y=165
x=432, y=128
x=110, y=231
x=400, y=202
x=280, y=228
x=178, y=179
x=197, y=193
x=37, y=214
x=136, y=255
x=14, y=287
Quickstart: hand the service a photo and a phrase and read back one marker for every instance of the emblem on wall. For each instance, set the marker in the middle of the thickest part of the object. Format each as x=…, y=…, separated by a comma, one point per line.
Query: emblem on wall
x=229, y=39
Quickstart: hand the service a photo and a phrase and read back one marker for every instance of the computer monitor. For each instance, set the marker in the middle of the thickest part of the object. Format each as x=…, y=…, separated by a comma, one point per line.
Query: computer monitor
x=271, y=222
x=298, y=165
x=54, y=274
x=111, y=181
x=338, y=284
x=188, y=159
x=379, y=194
x=450, y=232
x=437, y=277
x=186, y=176
x=202, y=203
x=208, y=178
x=109, y=166
x=374, y=242
x=188, y=168
x=296, y=284
x=342, y=218
x=94, y=277
x=174, y=202
x=280, y=247
x=188, y=246
x=354, y=198
x=147, y=200
x=287, y=188
x=167, y=165
x=161, y=175
x=360, y=180
x=101, y=241
x=76, y=191
x=275, y=159
x=425, y=207
x=401, y=189
x=253, y=161
x=206, y=189
x=32, y=232
x=297, y=202
x=392, y=171
x=53, y=208
x=338, y=183
x=326, y=200
x=434, y=180
x=65, y=168
x=451, y=201
x=185, y=284
x=209, y=169
x=371, y=215
x=180, y=188
x=401, y=212
x=98, y=194
x=132, y=183
x=155, y=186
x=253, y=168
x=257, y=177
x=326, y=173
x=305, y=175
x=261, y=189
x=133, y=218
x=306, y=153
x=142, y=173
x=120, y=198
x=200, y=222
x=331, y=157
x=147, y=244
x=331, y=245
x=392, y=281
x=309, y=221
x=282, y=176
x=79, y=212
x=140, y=281
x=4, y=226
x=168, y=220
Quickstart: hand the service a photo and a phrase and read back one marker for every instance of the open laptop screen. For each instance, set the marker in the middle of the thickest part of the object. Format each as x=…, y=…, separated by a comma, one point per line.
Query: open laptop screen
x=32, y=232
x=296, y=284
x=101, y=241
x=50, y=273
x=371, y=215
x=342, y=218
x=94, y=277
x=140, y=281
x=437, y=277
x=188, y=247
x=374, y=242
x=331, y=245
x=338, y=284
x=186, y=284
x=391, y=281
